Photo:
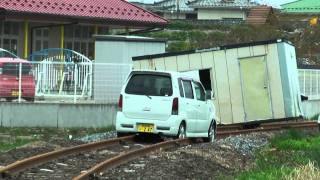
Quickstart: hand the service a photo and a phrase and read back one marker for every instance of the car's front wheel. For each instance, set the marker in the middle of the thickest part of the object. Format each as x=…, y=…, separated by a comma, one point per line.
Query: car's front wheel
x=182, y=131
x=211, y=133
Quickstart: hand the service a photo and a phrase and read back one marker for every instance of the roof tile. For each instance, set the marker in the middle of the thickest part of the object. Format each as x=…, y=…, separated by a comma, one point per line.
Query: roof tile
x=118, y=10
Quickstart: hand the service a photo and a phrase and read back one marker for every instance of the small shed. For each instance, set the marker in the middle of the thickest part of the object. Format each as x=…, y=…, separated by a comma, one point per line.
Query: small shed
x=254, y=81
x=113, y=62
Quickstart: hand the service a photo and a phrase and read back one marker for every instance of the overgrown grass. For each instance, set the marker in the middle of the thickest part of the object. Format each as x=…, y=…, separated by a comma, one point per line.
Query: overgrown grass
x=53, y=131
x=6, y=146
x=15, y=137
x=285, y=153
x=309, y=171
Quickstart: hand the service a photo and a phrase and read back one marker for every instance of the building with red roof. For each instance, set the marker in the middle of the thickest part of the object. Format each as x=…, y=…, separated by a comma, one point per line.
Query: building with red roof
x=32, y=25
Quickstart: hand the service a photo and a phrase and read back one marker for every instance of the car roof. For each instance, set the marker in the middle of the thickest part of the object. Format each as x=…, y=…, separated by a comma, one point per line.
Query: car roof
x=172, y=73
x=8, y=59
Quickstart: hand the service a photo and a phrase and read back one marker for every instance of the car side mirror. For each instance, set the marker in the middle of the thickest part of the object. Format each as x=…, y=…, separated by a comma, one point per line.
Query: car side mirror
x=209, y=94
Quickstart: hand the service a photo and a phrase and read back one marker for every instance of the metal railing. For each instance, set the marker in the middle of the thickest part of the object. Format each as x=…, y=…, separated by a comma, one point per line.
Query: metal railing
x=309, y=80
x=51, y=81
x=63, y=80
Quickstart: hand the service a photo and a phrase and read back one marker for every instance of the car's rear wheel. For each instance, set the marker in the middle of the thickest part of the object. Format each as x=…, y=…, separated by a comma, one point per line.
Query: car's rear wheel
x=182, y=131
x=211, y=133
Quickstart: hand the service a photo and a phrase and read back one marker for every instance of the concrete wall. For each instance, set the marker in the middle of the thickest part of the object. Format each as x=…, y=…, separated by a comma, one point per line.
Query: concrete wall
x=215, y=14
x=311, y=108
x=57, y=115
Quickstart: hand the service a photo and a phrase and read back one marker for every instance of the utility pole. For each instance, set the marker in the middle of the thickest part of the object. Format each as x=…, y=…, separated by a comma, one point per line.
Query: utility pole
x=178, y=8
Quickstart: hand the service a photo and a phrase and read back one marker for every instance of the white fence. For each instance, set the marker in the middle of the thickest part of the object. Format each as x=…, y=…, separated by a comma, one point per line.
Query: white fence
x=309, y=80
x=82, y=82
x=63, y=80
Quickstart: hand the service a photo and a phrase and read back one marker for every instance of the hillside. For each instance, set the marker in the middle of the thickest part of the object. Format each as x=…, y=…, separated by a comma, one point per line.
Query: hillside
x=184, y=36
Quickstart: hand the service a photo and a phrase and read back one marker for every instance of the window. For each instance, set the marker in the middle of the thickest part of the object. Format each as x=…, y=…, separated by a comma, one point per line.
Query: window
x=79, y=38
x=188, y=89
x=180, y=88
x=200, y=94
x=41, y=39
x=148, y=84
x=103, y=30
x=7, y=28
x=9, y=33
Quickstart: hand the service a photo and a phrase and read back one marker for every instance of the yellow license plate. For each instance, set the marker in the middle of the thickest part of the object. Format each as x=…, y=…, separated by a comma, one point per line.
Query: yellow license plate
x=146, y=128
x=14, y=93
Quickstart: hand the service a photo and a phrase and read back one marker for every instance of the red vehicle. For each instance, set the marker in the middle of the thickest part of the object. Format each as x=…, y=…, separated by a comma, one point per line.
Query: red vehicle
x=9, y=77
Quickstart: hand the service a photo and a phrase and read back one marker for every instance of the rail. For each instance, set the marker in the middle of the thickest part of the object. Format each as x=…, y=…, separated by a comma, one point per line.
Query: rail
x=42, y=158
x=131, y=155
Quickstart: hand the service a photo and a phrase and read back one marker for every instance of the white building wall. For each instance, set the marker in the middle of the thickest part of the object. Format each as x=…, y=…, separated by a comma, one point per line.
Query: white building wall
x=217, y=14
x=118, y=54
x=168, y=15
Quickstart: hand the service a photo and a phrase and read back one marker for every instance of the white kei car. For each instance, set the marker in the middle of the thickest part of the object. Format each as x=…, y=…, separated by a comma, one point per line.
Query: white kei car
x=165, y=103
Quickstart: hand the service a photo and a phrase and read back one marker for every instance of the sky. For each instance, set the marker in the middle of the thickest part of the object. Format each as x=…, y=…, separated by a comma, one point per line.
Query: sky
x=275, y=3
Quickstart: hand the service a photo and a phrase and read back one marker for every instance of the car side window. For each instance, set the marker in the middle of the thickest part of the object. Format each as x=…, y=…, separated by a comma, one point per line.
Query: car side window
x=180, y=87
x=188, y=89
x=200, y=94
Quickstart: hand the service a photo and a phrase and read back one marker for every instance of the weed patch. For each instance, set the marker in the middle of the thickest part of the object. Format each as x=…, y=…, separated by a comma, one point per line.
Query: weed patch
x=286, y=156
x=6, y=146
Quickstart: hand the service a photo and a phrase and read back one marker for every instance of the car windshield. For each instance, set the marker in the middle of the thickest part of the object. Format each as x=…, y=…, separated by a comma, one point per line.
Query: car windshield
x=6, y=54
x=151, y=85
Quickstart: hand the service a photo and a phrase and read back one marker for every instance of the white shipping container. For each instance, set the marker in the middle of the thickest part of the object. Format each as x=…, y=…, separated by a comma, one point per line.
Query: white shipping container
x=251, y=81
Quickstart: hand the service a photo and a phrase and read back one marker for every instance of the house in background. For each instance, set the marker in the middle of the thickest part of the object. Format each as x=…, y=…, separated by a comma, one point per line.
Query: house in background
x=261, y=15
x=174, y=9
x=222, y=9
x=31, y=25
x=202, y=9
x=302, y=7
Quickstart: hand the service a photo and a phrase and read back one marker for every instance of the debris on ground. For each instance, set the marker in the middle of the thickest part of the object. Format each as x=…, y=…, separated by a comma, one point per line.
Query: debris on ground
x=98, y=137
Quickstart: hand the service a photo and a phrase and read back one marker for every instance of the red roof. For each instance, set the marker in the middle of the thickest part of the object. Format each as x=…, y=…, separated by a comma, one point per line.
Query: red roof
x=110, y=10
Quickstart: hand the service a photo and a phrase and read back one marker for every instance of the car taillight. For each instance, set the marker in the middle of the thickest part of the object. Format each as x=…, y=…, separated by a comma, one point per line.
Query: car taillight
x=175, y=106
x=120, y=103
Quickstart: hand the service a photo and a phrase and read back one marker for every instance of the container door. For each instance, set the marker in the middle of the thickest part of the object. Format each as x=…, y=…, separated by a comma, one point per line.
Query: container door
x=255, y=88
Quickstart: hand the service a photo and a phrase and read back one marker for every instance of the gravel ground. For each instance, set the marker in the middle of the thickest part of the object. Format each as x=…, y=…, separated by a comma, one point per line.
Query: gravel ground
x=198, y=161
x=71, y=166
x=97, y=137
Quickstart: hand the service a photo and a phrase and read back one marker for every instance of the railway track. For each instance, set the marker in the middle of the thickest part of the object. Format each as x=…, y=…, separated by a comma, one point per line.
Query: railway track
x=124, y=155
x=224, y=131
x=33, y=161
